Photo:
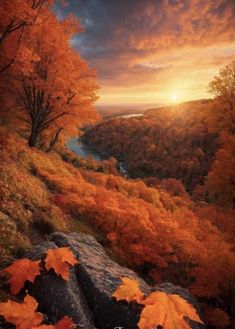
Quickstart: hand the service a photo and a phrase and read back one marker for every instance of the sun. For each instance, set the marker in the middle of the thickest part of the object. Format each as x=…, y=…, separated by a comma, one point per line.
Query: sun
x=174, y=97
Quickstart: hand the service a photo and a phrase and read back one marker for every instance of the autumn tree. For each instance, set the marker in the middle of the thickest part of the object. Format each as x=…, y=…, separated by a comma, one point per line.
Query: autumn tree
x=44, y=81
x=57, y=85
x=223, y=85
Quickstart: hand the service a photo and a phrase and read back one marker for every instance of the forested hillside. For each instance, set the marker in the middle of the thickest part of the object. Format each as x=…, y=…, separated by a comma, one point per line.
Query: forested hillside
x=187, y=153
x=192, y=142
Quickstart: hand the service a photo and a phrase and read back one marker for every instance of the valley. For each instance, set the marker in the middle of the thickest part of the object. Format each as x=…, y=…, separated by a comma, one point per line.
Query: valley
x=117, y=157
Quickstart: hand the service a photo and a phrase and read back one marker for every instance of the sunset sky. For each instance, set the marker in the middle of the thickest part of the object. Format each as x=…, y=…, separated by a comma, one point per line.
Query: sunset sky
x=154, y=51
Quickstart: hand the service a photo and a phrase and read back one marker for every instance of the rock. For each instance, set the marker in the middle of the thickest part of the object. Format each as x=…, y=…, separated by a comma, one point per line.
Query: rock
x=99, y=277
x=38, y=252
x=57, y=297
x=87, y=295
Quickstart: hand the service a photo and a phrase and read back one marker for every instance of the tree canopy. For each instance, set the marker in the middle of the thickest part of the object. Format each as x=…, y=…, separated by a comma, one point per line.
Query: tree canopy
x=223, y=85
x=50, y=83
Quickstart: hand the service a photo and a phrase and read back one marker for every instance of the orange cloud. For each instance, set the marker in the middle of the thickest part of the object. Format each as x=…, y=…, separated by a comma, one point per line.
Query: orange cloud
x=147, y=50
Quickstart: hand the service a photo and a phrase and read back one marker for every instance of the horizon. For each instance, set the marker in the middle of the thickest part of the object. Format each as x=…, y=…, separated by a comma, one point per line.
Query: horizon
x=144, y=106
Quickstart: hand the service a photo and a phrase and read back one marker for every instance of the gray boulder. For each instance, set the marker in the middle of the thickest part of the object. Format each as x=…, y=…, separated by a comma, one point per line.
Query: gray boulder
x=57, y=297
x=99, y=277
x=87, y=296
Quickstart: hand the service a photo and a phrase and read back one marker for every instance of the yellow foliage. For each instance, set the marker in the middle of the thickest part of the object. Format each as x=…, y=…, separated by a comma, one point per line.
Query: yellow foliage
x=129, y=290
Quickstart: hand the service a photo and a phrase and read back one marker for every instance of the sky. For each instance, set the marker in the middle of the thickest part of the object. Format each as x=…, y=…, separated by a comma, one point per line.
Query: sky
x=154, y=51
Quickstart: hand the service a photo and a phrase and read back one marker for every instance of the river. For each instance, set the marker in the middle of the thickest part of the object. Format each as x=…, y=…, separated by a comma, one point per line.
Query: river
x=127, y=116
x=83, y=150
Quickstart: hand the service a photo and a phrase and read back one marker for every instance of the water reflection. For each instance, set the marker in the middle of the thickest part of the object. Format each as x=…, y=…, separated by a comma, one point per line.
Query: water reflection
x=84, y=150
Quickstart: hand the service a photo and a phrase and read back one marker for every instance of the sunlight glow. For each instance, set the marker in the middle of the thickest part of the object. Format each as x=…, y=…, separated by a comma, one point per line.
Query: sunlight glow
x=174, y=97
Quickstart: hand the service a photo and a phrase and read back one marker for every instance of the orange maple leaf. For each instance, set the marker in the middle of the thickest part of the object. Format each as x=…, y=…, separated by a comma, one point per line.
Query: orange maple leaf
x=21, y=271
x=59, y=260
x=22, y=315
x=65, y=323
x=167, y=310
x=129, y=290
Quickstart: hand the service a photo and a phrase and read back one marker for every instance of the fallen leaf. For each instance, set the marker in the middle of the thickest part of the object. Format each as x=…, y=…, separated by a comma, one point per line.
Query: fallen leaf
x=20, y=271
x=167, y=310
x=65, y=323
x=59, y=259
x=22, y=315
x=129, y=290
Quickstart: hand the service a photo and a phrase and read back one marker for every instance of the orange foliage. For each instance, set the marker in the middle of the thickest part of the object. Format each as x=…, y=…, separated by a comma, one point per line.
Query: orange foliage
x=169, y=236
x=129, y=290
x=171, y=240
x=160, y=309
x=220, y=183
x=47, y=83
x=171, y=142
x=15, y=19
x=22, y=315
x=20, y=271
x=59, y=260
x=166, y=310
x=65, y=323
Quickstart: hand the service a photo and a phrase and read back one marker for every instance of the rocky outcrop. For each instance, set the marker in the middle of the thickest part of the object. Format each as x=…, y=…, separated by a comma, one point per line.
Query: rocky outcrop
x=99, y=277
x=58, y=298
x=87, y=295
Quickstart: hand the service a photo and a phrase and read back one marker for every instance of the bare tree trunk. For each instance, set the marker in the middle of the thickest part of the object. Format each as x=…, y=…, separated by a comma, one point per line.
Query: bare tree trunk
x=32, y=141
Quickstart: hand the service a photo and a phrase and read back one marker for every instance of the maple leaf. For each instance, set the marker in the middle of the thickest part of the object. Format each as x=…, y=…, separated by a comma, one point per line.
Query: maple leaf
x=168, y=311
x=21, y=271
x=129, y=290
x=65, y=323
x=59, y=260
x=22, y=315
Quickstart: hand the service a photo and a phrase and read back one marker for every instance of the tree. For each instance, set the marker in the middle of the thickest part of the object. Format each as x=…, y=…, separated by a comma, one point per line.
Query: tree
x=57, y=84
x=223, y=85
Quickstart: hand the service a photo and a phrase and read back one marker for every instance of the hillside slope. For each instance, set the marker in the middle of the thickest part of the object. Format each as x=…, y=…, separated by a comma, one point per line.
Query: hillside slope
x=160, y=231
